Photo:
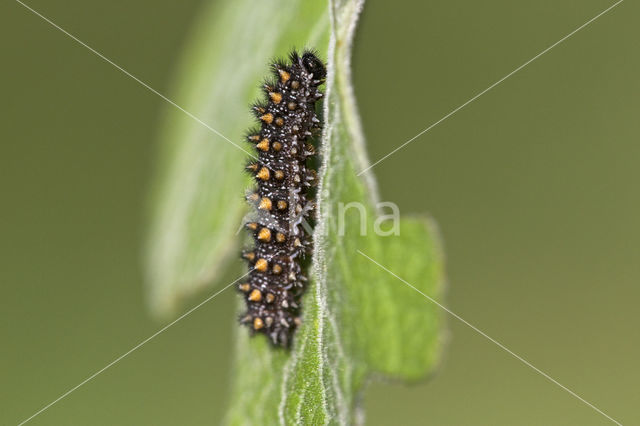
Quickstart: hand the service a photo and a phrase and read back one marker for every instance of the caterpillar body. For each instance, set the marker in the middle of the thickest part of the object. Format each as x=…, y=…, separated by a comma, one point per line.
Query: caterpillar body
x=283, y=198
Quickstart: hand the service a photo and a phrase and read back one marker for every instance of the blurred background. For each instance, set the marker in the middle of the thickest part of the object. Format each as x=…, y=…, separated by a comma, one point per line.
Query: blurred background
x=534, y=187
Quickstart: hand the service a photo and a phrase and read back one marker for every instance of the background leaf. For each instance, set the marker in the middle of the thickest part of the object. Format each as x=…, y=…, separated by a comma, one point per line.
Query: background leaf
x=197, y=202
x=359, y=320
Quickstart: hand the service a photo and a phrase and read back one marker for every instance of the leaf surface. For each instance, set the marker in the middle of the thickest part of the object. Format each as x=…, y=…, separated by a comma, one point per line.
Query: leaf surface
x=360, y=315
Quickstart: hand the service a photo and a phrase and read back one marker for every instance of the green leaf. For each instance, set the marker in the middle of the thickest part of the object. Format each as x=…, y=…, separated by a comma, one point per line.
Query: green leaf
x=198, y=195
x=360, y=315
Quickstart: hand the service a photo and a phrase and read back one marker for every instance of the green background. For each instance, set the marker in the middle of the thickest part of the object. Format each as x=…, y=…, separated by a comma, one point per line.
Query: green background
x=534, y=186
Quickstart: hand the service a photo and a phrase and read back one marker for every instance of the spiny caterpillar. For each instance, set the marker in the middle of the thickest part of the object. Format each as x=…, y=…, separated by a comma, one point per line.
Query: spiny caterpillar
x=283, y=197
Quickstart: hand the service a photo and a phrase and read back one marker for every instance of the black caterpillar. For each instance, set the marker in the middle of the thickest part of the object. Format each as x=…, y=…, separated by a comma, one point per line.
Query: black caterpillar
x=284, y=197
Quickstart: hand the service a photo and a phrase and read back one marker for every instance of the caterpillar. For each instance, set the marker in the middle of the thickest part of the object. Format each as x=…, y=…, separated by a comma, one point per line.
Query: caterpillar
x=283, y=198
